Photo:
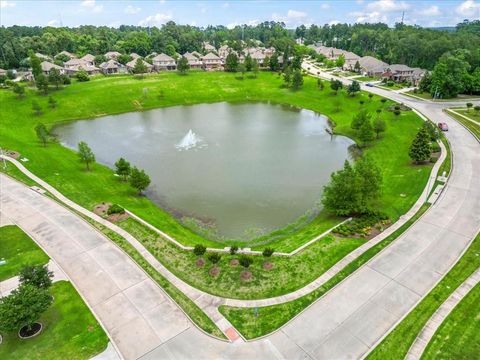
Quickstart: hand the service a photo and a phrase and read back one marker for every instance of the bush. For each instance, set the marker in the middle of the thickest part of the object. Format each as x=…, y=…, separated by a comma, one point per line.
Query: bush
x=115, y=209
x=82, y=76
x=267, y=252
x=435, y=147
x=397, y=112
x=214, y=257
x=383, y=100
x=245, y=261
x=199, y=250
x=362, y=225
x=390, y=83
x=233, y=249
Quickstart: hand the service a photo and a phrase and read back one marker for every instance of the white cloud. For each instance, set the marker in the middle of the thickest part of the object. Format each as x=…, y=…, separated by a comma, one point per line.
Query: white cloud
x=430, y=11
x=325, y=6
x=132, y=9
x=387, y=6
x=468, y=8
x=226, y=5
x=253, y=22
x=156, y=20
x=334, y=22
x=53, y=23
x=369, y=17
x=92, y=6
x=6, y=4
x=293, y=18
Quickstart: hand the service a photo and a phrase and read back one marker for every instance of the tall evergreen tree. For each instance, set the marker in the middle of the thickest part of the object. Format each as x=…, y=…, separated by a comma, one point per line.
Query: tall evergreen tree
x=420, y=150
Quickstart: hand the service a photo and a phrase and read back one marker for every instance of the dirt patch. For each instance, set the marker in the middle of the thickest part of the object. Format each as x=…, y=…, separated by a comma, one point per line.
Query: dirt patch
x=12, y=153
x=267, y=265
x=101, y=209
x=246, y=275
x=200, y=262
x=214, y=271
x=234, y=262
x=117, y=217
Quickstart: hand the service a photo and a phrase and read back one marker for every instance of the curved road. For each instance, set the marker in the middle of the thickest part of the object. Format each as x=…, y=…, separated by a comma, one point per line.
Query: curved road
x=345, y=323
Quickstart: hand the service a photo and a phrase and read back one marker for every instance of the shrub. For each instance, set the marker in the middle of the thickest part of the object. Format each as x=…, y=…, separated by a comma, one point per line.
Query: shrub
x=397, y=107
x=115, y=209
x=397, y=112
x=267, y=252
x=36, y=275
x=435, y=147
x=214, y=257
x=383, y=100
x=233, y=249
x=245, y=261
x=82, y=76
x=199, y=250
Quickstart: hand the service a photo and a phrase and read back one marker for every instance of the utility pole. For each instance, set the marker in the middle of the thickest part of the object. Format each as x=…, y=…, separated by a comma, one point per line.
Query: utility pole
x=403, y=16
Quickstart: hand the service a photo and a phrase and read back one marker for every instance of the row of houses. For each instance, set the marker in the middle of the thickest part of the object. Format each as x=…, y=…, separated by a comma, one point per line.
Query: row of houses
x=370, y=66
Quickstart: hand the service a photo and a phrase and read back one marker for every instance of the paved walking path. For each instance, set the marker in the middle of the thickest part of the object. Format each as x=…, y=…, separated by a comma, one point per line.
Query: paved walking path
x=424, y=337
x=346, y=323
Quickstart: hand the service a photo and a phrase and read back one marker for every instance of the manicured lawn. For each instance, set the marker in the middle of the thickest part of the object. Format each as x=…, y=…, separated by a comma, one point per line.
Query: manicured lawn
x=468, y=124
x=270, y=318
x=472, y=114
x=367, y=78
x=397, y=343
x=18, y=250
x=459, y=335
x=61, y=168
x=70, y=331
x=427, y=96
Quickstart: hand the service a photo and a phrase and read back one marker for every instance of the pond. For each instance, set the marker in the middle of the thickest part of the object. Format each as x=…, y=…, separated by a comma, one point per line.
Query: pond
x=242, y=169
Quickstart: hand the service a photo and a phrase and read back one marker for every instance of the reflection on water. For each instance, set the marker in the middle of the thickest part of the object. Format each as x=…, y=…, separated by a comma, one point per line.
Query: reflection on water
x=259, y=166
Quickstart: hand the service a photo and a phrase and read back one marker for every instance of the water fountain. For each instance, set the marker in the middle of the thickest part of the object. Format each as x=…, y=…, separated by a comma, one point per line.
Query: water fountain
x=190, y=140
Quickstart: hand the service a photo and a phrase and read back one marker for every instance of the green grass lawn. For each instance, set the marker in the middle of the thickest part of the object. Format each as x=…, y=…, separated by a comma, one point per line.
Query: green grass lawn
x=474, y=128
x=428, y=96
x=61, y=168
x=70, y=331
x=459, y=335
x=397, y=343
x=367, y=78
x=270, y=318
x=18, y=250
x=472, y=114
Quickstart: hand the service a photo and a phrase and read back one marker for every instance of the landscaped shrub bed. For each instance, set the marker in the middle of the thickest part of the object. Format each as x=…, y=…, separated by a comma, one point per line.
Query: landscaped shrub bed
x=363, y=225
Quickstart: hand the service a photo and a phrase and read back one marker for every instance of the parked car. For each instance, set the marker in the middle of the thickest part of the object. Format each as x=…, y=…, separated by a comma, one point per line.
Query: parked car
x=369, y=84
x=443, y=126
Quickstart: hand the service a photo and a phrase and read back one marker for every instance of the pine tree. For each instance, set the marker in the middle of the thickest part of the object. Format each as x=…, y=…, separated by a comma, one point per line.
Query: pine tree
x=366, y=133
x=123, y=168
x=231, y=62
x=420, y=150
x=182, y=65
x=297, y=80
x=359, y=119
x=140, y=68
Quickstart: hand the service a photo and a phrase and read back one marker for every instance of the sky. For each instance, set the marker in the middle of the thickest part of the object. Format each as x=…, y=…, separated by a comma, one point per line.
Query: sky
x=73, y=13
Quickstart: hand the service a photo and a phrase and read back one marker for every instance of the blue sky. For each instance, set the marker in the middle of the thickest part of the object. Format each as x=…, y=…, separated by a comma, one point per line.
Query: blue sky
x=229, y=13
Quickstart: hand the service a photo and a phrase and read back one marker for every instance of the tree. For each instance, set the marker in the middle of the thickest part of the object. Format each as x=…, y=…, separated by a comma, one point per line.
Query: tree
x=287, y=76
x=36, y=65
x=266, y=62
x=241, y=69
x=23, y=307
x=123, y=168
x=82, y=75
x=139, y=180
x=477, y=109
x=366, y=134
x=248, y=62
x=182, y=65
x=369, y=183
x=100, y=59
x=37, y=110
x=255, y=68
x=233, y=249
x=52, y=102
x=214, y=257
x=448, y=75
x=420, y=150
x=359, y=119
x=297, y=80
x=320, y=84
x=245, y=261
x=19, y=90
x=42, y=83
x=55, y=78
x=353, y=88
x=199, y=250
x=273, y=63
x=124, y=58
x=231, y=62
x=340, y=61
x=379, y=125
x=357, y=67
x=469, y=106
x=370, y=96
x=85, y=154
x=432, y=130
x=140, y=68
x=36, y=275
x=336, y=85
x=42, y=133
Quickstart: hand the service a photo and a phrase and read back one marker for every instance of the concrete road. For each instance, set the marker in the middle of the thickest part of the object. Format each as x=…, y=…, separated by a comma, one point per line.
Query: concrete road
x=346, y=323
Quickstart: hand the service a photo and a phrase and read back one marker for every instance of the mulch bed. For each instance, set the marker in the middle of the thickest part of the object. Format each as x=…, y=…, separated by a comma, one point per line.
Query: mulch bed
x=214, y=271
x=12, y=153
x=101, y=210
x=200, y=262
x=234, y=262
x=267, y=265
x=246, y=275
x=26, y=333
x=118, y=217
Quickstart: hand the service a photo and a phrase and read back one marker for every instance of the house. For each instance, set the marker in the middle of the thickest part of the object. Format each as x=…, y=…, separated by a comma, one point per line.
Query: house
x=74, y=63
x=43, y=57
x=164, y=62
x=211, y=61
x=193, y=61
x=112, y=55
x=208, y=47
x=196, y=54
x=371, y=66
x=403, y=73
x=48, y=66
x=134, y=56
x=131, y=65
x=112, y=67
x=72, y=66
x=89, y=59
x=223, y=51
x=259, y=56
x=66, y=53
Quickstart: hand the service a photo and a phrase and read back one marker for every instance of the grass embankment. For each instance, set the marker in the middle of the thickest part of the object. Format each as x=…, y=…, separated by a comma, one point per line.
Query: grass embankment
x=18, y=250
x=60, y=166
x=428, y=96
x=459, y=335
x=70, y=331
x=399, y=341
x=471, y=125
x=270, y=318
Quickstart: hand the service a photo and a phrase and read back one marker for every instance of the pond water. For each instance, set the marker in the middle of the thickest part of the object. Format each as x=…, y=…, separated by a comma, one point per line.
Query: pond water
x=239, y=167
